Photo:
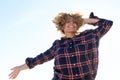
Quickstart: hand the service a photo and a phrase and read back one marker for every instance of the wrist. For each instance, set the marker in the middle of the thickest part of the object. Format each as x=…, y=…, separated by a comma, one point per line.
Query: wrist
x=23, y=67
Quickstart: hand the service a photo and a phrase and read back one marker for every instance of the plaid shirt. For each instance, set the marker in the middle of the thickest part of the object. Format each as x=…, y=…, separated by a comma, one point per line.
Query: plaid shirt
x=76, y=58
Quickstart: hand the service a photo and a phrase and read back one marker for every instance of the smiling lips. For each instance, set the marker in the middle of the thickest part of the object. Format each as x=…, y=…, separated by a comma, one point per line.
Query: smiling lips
x=71, y=27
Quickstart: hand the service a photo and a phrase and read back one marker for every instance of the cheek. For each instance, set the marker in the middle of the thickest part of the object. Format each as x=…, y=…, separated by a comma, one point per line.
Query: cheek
x=63, y=29
x=76, y=27
x=65, y=26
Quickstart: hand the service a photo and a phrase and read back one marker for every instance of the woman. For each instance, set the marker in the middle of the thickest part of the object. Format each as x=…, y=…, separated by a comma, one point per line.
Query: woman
x=75, y=54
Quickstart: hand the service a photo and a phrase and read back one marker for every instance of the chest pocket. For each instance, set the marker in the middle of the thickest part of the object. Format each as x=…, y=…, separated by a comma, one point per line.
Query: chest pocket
x=86, y=44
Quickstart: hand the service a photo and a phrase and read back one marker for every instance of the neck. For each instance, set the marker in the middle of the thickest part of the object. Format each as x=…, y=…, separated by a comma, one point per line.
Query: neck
x=69, y=35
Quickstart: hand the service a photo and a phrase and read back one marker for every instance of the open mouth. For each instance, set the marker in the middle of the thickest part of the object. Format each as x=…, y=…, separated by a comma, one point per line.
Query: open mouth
x=71, y=27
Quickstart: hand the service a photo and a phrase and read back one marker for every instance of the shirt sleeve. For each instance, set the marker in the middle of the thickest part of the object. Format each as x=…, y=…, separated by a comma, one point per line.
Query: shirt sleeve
x=43, y=57
x=103, y=27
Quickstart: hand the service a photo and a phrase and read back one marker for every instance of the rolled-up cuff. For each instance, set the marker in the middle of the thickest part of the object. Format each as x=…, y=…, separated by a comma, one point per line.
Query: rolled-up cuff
x=100, y=22
x=29, y=62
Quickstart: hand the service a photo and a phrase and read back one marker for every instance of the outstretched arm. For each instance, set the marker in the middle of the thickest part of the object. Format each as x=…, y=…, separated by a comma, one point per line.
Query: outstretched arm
x=32, y=62
x=16, y=71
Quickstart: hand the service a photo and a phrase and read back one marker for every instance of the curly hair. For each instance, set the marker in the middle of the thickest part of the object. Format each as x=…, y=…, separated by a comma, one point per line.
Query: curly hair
x=62, y=18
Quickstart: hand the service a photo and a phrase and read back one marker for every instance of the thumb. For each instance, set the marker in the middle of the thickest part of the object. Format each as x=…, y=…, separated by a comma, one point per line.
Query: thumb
x=14, y=68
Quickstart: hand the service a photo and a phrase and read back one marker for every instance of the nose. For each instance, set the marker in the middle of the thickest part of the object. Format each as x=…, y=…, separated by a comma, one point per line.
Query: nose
x=71, y=22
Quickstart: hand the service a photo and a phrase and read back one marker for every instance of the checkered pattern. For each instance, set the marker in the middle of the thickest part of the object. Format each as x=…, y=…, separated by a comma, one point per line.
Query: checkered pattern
x=75, y=58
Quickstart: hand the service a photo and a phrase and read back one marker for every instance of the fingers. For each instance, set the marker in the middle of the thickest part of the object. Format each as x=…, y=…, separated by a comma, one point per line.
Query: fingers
x=14, y=73
x=12, y=76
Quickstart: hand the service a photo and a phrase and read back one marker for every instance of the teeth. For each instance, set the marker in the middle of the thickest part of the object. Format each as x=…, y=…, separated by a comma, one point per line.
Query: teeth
x=71, y=26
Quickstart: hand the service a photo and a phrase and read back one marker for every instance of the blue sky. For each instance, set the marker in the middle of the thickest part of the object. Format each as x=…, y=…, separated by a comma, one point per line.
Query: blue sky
x=26, y=30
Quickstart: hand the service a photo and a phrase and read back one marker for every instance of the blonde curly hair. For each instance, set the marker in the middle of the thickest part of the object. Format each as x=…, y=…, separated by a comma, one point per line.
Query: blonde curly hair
x=62, y=18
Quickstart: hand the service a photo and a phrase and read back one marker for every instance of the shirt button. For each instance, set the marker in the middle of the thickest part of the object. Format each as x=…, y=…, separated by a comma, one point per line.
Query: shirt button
x=76, y=75
x=74, y=64
x=70, y=47
x=70, y=43
x=72, y=55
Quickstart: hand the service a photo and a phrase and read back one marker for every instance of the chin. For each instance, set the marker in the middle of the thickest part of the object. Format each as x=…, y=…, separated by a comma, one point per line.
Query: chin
x=72, y=31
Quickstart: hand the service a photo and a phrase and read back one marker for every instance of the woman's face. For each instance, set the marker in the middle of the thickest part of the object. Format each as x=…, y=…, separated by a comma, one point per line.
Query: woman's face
x=70, y=26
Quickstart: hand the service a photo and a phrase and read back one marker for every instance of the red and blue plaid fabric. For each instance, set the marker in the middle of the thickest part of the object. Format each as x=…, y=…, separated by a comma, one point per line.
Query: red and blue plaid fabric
x=76, y=58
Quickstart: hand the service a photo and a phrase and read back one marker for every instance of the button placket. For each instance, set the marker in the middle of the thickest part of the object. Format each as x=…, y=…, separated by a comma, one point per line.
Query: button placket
x=71, y=45
x=76, y=74
x=72, y=55
x=74, y=64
